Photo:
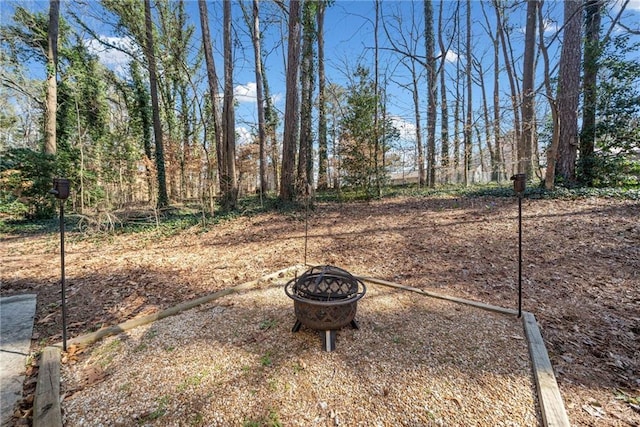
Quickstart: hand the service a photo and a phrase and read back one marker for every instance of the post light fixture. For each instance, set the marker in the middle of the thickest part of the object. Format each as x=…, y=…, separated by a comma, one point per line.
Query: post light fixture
x=60, y=190
x=519, y=185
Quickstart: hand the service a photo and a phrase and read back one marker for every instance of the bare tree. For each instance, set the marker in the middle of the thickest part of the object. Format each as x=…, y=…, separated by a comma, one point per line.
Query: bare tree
x=257, y=57
x=432, y=91
x=468, y=121
x=51, y=105
x=525, y=147
x=305, y=154
x=323, y=158
x=292, y=111
x=230, y=189
x=212, y=79
x=163, y=199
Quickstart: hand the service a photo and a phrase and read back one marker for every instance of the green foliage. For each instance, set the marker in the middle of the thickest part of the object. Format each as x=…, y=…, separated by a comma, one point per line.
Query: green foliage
x=617, y=158
x=362, y=146
x=26, y=176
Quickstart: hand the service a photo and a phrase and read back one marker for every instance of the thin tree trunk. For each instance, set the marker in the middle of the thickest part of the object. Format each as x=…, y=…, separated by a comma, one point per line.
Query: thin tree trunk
x=444, y=111
x=230, y=197
x=212, y=79
x=376, y=84
x=257, y=56
x=469, y=108
x=50, y=145
x=416, y=110
x=163, y=199
x=323, y=157
x=432, y=92
x=508, y=64
x=525, y=146
x=591, y=55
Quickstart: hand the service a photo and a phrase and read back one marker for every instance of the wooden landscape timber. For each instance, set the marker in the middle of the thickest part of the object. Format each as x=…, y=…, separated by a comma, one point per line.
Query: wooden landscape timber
x=47, y=403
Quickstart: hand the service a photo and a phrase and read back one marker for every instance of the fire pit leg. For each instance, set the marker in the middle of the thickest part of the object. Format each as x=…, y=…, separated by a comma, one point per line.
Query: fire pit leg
x=328, y=340
x=297, y=326
x=354, y=324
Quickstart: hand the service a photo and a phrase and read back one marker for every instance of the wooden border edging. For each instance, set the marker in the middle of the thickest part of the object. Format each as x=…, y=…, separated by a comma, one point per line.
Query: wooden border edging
x=46, y=404
x=476, y=304
x=47, y=408
x=139, y=321
x=551, y=405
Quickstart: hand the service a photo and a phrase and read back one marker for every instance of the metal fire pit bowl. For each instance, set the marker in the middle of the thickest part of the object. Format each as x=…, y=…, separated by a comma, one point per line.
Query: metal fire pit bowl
x=325, y=299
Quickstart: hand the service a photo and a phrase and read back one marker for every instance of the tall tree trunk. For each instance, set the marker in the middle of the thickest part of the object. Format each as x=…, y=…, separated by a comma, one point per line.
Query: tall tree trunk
x=432, y=94
x=456, y=108
x=305, y=154
x=444, y=111
x=525, y=147
x=469, y=108
x=508, y=64
x=50, y=145
x=591, y=55
x=291, y=115
x=552, y=152
x=163, y=199
x=323, y=156
x=569, y=91
x=212, y=79
x=257, y=57
x=376, y=84
x=230, y=196
x=498, y=172
x=487, y=122
x=416, y=110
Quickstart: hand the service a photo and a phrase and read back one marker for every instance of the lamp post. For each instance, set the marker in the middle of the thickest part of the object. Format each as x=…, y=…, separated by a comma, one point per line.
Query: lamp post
x=61, y=191
x=519, y=185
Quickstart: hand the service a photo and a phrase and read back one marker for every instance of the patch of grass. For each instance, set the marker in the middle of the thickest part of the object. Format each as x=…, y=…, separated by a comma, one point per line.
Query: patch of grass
x=265, y=360
x=156, y=413
x=268, y=324
x=272, y=419
x=107, y=352
x=192, y=381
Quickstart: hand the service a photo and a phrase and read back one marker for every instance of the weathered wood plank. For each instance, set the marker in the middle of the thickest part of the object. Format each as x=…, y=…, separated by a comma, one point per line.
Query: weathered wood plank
x=551, y=404
x=476, y=304
x=46, y=405
x=139, y=321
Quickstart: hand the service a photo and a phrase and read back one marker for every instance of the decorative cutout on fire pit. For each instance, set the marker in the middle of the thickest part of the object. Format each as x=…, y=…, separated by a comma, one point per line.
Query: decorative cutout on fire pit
x=325, y=298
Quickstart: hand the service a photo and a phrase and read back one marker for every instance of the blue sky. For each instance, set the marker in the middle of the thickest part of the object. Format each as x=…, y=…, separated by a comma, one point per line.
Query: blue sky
x=349, y=40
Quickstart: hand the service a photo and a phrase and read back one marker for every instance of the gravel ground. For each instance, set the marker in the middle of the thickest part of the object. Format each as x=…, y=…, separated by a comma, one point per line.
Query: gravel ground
x=414, y=361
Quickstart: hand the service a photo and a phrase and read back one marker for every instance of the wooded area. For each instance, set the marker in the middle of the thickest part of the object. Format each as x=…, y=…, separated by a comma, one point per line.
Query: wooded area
x=494, y=88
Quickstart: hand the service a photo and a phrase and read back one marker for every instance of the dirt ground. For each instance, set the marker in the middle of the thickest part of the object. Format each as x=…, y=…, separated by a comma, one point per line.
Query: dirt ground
x=581, y=274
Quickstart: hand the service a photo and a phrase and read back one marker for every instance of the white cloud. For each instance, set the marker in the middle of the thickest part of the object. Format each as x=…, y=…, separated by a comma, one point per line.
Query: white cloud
x=406, y=129
x=243, y=136
x=550, y=27
x=115, y=59
x=451, y=56
x=245, y=93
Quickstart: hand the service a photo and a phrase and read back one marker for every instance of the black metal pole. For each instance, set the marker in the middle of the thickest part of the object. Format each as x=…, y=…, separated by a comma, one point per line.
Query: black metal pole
x=519, y=255
x=64, y=304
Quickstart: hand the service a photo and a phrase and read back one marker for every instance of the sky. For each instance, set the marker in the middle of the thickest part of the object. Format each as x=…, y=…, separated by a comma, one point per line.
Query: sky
x=349, y=40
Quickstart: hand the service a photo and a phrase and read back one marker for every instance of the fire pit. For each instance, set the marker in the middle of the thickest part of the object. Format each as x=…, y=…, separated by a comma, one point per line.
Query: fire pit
x=325, y=298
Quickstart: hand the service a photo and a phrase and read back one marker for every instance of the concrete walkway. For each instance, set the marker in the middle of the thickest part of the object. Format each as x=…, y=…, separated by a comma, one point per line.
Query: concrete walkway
x=16, y=326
